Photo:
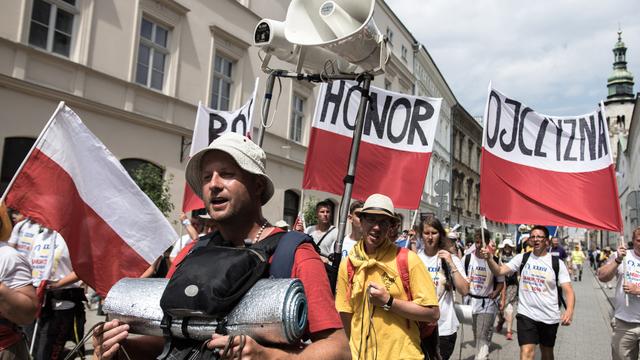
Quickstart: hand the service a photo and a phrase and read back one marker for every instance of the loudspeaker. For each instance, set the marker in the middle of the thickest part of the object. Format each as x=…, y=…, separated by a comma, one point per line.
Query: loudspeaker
x=269, y=35
x=343, y=27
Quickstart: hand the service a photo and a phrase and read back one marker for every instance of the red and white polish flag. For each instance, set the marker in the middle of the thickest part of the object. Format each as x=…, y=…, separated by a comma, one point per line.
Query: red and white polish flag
x=209, y=125
x=73, y=184
x=548, y=170
x=396, y=146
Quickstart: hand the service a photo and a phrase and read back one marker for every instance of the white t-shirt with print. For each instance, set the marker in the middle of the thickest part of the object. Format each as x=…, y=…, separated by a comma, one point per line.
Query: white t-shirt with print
x=448, y=323
x=481, y=284
x=347, y=244
x=538, y=292
x=22, y=236
x=623, y=312
x=50, y=259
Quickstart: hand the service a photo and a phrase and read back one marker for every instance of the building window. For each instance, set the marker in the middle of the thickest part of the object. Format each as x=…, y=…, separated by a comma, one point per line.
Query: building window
x=152, y=54
x=390, y=37
x=291, y=206
x=403, y=53
x=14, y=152
x=52, y=25
x=222, y=81
x=297, y=118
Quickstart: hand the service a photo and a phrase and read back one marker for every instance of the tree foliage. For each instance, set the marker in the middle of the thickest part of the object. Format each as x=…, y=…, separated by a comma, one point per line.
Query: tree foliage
x=151, y=181
x=309, y=211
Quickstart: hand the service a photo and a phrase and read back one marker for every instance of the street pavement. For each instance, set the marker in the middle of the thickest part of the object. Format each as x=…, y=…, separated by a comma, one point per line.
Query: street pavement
x=588, y=337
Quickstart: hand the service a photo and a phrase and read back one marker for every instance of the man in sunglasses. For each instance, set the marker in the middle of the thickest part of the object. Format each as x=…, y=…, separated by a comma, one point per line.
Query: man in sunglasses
x=379, y=316
x=543, y=278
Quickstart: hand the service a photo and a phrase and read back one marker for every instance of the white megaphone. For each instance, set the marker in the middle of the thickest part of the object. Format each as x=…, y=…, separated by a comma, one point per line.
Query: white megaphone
x=269, y=35
x=343, y=27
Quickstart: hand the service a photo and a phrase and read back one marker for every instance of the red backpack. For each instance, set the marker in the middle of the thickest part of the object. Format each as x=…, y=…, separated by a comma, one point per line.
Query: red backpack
x=402, y=263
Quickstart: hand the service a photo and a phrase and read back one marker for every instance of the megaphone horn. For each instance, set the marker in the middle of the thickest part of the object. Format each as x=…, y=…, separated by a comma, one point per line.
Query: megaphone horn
x=344, y=27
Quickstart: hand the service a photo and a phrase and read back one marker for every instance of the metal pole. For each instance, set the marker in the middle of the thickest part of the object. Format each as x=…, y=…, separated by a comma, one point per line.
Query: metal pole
x=266, y=105
x=351, y=170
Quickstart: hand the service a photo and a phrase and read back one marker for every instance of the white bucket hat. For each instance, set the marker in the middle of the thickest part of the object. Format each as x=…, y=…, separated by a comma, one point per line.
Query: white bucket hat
x=378, y=204
x=281, y=224
x=506, y=242
x=249, y=156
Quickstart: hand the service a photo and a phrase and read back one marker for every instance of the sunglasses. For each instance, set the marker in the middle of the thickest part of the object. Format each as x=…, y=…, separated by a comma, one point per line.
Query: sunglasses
x=381, y=220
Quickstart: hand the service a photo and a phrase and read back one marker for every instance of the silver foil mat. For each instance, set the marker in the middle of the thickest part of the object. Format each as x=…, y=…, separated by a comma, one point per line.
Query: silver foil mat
x=272, y=311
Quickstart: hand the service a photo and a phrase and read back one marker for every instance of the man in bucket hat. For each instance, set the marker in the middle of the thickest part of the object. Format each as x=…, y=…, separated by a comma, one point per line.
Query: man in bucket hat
x=230, y=177
x=377, y=313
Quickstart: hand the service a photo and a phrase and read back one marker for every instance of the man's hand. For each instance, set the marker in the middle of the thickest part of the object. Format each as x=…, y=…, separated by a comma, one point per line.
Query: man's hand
x=107, y=339
x=631, y=289
x=486, y=252
x=494, y=294
x=378, y=293
x=622, y=252
x=566, y=318
x=249, y=349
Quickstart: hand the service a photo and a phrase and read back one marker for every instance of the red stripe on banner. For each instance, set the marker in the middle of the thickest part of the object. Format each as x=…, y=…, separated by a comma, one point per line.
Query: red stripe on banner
x=46, y=193
x=190, y=201
x=519, y=194
x=397, y=174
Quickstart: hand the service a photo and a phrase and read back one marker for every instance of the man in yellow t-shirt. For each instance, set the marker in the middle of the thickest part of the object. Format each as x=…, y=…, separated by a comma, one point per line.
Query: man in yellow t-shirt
x=377, y=316
x=577, y=259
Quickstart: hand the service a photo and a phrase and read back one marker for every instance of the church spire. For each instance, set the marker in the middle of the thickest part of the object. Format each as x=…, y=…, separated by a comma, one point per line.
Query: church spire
x=620, y=83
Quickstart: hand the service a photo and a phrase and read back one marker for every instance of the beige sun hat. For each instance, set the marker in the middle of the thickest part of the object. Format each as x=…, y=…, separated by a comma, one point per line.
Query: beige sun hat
x=506, y=242
x=249, y=156
x=378, y=204
x=281, y=224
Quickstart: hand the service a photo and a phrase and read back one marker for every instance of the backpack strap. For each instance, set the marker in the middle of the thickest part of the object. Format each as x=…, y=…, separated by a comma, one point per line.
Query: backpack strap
x=555, y=263
x=284, y=255
x=467, y=260
x=402, y=263
x=325, y=234
x=525, y=258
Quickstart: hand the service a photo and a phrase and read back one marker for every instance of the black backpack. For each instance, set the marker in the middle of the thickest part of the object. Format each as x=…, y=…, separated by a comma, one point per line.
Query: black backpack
x=281, y=247
x=555, y=264
x=214, y=276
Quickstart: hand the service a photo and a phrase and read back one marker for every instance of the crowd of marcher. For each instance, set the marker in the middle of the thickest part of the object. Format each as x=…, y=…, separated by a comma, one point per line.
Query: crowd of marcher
x=400, y=294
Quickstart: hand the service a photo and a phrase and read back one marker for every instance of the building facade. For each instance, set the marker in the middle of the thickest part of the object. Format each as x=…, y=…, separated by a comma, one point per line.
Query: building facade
x=135, y=71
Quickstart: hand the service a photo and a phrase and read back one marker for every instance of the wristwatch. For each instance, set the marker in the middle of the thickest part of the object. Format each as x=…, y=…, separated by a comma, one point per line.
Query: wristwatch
x=387, y=306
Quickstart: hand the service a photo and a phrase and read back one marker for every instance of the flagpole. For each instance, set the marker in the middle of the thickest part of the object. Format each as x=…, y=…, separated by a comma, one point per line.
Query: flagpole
x=35, y=144
x=624, y=270
x=349, y=179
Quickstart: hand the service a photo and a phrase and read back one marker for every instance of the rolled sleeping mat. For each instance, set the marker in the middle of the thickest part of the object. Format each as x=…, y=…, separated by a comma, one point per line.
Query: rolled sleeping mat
x=273, y=311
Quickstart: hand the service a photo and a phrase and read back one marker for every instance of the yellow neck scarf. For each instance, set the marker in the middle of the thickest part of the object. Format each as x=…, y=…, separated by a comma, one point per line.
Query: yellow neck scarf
x=361, y=261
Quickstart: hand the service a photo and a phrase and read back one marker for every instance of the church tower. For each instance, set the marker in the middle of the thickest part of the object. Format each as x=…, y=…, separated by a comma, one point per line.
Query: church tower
x=620, y=100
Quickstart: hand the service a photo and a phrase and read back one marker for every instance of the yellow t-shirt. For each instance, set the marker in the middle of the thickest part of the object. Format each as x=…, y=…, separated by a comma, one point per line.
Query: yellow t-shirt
x=577, y=257
x=391, y=336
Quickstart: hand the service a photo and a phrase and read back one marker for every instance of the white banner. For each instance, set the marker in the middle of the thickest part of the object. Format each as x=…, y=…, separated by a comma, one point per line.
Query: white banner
x=210, y=123
x=514, y=132
x=393, y=120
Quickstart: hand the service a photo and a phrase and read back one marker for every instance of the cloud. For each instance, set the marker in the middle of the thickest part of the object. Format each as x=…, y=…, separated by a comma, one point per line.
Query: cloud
x=555, y=56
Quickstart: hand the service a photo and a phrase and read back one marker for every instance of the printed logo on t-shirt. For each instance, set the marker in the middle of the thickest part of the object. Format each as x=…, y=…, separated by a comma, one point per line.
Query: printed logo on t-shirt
x=434, y=271
x=632, y=275
x=478, y=277
x=533, y=278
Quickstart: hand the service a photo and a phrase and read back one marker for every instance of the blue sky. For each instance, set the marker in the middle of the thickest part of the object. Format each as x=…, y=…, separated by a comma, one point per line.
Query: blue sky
x=554, y=56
